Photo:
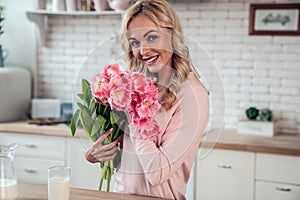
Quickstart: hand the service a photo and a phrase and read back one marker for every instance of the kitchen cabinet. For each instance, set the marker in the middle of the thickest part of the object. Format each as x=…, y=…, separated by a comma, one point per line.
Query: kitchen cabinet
x=225, y=174
x=277, y=177
x=230, y=174
x=40, y=18
x=35, y=154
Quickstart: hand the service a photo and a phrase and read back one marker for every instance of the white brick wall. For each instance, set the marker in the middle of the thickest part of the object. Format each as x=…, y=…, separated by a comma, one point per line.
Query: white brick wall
x=261, y=71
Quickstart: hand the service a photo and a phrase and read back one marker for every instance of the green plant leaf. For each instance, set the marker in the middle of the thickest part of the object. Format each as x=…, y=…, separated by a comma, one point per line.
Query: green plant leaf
x=96, y=131
x=80, y=95
x=81, y=106
x=86, y=91
x=74, y=122
x=86, y=121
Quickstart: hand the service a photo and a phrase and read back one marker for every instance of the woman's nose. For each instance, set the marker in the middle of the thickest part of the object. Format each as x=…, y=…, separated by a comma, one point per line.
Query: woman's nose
x=144, y=49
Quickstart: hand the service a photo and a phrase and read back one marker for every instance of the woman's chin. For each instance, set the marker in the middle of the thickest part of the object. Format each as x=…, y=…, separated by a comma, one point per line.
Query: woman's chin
x=154, y=68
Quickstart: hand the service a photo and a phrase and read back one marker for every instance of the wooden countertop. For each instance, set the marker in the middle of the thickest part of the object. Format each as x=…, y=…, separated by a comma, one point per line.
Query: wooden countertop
x=232, y=140
x=24, y=127
x=39, y=192
x=228, y=139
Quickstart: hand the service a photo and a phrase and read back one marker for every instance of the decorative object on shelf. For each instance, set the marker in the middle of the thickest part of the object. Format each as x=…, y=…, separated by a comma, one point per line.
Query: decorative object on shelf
x=58, y=5
x=40, y=4
x=259, y=122
x=119, y=5
x=71, y=5
x=100, y=5
x=274, y=19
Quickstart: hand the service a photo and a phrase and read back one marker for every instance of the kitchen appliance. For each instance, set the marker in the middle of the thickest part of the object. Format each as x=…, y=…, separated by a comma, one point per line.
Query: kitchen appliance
x=15, y=90
x=45, y=108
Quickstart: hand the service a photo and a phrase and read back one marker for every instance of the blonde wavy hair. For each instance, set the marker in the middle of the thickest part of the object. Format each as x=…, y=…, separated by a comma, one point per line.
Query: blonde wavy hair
x=163, y=15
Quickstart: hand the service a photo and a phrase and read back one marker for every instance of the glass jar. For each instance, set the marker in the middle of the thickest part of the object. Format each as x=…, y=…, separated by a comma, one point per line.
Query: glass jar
x=8, y=179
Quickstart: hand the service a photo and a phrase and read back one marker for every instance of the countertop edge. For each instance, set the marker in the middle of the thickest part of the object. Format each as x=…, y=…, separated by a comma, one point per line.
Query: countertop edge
x=227, y=139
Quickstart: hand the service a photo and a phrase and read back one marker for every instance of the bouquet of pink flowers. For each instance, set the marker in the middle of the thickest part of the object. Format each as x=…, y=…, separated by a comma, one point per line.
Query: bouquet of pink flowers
x=112, y=98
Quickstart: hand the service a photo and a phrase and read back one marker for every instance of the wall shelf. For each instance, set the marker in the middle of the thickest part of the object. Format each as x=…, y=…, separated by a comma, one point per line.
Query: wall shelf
x=40, y=18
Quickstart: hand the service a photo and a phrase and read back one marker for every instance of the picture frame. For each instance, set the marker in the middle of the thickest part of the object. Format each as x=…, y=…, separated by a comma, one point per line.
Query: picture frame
x=274, y=19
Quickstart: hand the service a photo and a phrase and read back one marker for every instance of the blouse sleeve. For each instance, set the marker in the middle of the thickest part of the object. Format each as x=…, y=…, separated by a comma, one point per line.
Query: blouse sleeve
x=180, y=139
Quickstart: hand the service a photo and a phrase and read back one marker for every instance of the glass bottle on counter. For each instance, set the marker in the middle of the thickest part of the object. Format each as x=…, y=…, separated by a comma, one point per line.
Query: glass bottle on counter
x=8, y=179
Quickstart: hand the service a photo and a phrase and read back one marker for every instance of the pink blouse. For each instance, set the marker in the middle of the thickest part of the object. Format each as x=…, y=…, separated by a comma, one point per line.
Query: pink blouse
x=161, y=167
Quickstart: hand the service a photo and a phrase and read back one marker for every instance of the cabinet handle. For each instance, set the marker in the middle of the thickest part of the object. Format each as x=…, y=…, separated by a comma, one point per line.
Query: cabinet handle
x=283, y=189
x=31, y=146
x=224, y=166
x=32, y=171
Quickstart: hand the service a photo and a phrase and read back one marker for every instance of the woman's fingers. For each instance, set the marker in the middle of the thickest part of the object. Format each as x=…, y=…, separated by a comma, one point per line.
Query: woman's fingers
x=107, y=155
x=102, y=137
x=100, y=152
x=109, y=146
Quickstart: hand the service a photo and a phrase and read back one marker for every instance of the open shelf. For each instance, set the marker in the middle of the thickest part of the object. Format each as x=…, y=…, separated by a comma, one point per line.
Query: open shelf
x=40, y=18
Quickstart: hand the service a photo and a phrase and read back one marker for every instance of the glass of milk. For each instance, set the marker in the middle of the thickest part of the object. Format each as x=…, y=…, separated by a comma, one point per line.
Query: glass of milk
x=59, y=183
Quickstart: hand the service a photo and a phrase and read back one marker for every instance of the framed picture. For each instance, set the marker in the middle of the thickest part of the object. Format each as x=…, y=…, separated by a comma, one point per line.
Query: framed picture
x=274, y=19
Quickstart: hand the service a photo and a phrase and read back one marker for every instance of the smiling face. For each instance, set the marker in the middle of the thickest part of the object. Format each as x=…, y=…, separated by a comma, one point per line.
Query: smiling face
x=151, y=44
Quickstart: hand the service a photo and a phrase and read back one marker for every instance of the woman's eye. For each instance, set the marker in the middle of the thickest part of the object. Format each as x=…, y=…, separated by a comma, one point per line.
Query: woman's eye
x=152, y=37
x=134, y=43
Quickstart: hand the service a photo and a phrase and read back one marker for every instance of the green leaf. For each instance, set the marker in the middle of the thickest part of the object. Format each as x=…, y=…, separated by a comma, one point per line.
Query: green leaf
x=100, y=109
x=92, y=108
x=117, y=159
x=74, y=122
x=81, y=106
x=96, y=130
x=86, y=91
x=101, y=120
x=80, y=95
x=86, y=121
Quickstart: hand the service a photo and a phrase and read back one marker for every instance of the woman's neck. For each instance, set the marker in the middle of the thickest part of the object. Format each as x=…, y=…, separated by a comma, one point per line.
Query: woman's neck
x=164, y=76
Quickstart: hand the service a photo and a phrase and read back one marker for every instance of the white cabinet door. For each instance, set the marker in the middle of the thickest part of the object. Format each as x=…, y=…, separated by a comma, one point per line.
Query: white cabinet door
x=83, y=173
x=276, y=191
x=225, y=174
x=278, y=168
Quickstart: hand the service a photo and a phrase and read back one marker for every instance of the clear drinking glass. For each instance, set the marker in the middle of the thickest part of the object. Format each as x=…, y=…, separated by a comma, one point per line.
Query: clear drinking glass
x=59, y=183
x=8, y=179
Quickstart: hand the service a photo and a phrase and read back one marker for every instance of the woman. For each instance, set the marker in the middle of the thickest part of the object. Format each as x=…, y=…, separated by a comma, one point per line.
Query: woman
x=152, y=39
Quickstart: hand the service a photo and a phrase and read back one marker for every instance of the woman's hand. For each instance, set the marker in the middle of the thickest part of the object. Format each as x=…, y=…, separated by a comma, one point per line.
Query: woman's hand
x=100, y=152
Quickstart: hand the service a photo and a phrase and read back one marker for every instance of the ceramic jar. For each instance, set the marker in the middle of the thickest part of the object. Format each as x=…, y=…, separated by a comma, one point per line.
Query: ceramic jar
x=119, y=5
x=100, y=5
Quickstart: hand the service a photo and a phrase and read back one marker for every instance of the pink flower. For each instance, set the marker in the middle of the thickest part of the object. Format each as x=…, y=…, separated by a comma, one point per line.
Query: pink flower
x=120, y=91
x=111, y=70
x=100, y=88
x=130, y=92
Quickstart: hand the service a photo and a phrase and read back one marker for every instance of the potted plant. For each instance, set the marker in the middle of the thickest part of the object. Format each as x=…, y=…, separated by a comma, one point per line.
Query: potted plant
x=258, y=122
x=1, y=32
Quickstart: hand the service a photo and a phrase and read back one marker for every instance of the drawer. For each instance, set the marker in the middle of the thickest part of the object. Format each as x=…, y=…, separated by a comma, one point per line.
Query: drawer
x=36, y=145
x=267, y=190
x=34, y=170
x=225, y=174
x=279, y=168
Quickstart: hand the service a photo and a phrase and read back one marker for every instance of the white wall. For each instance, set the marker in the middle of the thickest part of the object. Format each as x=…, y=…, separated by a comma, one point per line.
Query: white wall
x=19, y=34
